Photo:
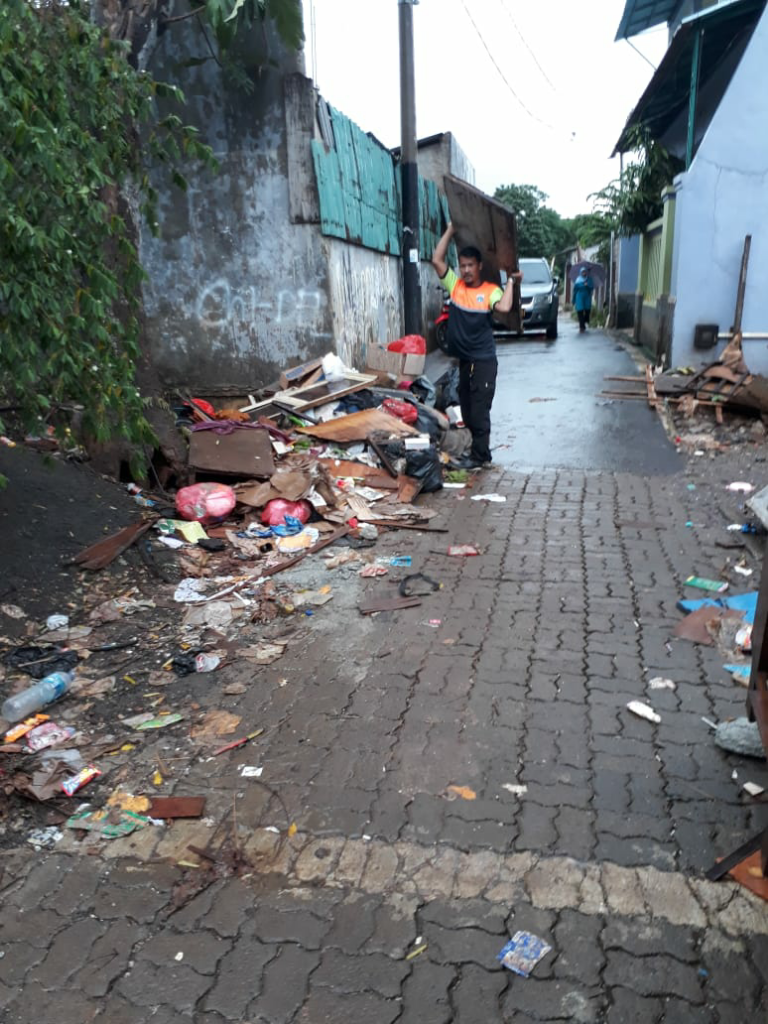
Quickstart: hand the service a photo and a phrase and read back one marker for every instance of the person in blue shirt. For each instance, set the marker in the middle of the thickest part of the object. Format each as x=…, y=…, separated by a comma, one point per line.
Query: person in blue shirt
x=583, y=287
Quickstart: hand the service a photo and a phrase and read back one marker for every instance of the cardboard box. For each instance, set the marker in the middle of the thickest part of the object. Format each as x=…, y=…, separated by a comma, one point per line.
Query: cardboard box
x=379, y=359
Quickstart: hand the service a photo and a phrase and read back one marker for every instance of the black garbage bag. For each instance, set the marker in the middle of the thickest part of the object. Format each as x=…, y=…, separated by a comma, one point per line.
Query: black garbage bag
x=39, y=662
x=424, y=390
x=447, y=388
x=425, y=465
x=427, y=424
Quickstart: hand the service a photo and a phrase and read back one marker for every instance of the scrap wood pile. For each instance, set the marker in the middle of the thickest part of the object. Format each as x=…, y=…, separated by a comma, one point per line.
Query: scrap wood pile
x=725, y=383
x=295, y=483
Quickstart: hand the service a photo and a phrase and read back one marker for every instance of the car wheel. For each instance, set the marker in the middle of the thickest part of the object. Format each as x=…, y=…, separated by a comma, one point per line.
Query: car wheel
x=552, y=331
x=441, y=336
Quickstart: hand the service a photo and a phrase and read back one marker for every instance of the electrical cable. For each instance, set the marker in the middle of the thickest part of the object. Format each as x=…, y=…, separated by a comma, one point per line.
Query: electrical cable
x=501, y=73
x=525, y=44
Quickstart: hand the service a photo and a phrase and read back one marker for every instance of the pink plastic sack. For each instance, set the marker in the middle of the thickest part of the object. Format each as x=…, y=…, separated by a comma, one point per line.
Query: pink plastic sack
x=276, y=510
x=411, y=344
x=205, y=503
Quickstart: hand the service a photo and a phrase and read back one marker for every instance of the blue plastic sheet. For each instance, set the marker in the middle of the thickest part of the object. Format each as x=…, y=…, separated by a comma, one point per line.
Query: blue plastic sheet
x=746, y=603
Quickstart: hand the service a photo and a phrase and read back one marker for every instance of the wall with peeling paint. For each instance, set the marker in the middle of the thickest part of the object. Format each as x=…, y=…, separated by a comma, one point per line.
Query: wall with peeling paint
x=234, y=290
x=242, y=280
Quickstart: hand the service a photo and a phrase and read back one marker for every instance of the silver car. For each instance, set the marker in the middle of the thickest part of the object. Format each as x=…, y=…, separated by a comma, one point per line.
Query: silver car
x=539, y=297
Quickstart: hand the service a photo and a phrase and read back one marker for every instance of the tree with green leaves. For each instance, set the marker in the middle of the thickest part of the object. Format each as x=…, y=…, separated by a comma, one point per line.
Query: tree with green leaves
x=633, y=200
x=541, y=231
x=74, y=178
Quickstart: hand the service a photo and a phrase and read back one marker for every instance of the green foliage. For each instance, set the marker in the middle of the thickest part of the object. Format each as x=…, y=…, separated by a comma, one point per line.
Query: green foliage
x=70, y=277
x=591, y=228
x=541, y=231
x=633, y=199
x=227, y=17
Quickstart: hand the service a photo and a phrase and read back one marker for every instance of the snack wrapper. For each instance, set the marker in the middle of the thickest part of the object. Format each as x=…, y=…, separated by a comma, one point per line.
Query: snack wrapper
x=71, y=785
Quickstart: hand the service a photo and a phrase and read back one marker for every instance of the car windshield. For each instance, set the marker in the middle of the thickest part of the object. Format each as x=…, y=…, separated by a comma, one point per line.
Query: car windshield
x=535, y=272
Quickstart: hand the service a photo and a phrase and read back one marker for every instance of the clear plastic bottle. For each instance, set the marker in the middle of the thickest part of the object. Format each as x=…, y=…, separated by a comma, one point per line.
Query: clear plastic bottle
x=37, y=696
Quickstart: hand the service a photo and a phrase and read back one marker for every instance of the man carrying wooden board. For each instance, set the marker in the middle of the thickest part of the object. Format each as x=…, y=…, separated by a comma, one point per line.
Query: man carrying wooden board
x=470, y=338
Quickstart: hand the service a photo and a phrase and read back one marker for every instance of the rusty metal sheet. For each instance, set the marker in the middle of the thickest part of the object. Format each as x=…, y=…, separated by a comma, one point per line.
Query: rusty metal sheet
x=491, y=226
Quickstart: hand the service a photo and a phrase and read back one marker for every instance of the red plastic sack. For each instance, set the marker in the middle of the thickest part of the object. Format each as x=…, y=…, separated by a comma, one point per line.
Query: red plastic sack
x=403, y=410
x=411, y=344
x=205, y=406
x=205, y=503
x=276, y=510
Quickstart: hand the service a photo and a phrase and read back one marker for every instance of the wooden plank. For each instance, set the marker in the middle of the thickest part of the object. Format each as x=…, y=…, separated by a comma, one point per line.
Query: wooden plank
x=99, y=555
x=177, y=806
x=300, y=101
x=742, y=287
x=489, y=225
x=244, y=452
x=357, y=426
x=309, y=396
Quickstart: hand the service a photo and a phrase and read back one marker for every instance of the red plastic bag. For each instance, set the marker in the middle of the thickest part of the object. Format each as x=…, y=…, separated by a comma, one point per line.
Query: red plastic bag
x=205, y=503
x=403, y=410
x=205, y=406
x=276, y=510
x=411, y=344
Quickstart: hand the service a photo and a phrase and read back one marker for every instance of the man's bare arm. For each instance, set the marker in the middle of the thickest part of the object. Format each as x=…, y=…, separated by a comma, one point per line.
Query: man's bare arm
x=441, y=251
x=505, y=303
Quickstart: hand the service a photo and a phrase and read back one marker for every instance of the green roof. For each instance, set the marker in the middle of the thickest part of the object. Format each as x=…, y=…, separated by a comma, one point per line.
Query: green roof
x=642, y=14
x=725, y=29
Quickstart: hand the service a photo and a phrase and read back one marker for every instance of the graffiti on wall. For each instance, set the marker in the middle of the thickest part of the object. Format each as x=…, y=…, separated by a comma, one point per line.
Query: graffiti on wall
x=219, y=306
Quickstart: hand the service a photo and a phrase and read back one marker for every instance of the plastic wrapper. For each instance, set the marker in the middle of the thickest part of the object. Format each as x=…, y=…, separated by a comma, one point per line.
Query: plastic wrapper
x=206, y=502
x=24, y=727
x=402, y=410
x=48, y=735
x=71, y=785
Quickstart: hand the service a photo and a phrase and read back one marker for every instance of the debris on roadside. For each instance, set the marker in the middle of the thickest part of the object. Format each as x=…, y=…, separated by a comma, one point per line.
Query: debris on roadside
x=643, y=711
x=523, y=951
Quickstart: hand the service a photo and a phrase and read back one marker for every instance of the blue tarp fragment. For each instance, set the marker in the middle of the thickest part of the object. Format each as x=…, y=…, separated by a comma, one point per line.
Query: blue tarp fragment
x=746, y=603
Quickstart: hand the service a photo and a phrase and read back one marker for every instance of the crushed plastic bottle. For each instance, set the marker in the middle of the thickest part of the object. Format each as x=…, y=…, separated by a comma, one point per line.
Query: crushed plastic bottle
x=35, y=697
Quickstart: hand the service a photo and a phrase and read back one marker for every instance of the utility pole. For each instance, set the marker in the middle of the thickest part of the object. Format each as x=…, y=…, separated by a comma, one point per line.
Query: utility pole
x=409, y=171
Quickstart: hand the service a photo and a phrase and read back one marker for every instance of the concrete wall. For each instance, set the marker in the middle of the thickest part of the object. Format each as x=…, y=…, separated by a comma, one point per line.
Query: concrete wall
x=235, y=290
x=443, y=155
x=242, y=282
x=723, y=197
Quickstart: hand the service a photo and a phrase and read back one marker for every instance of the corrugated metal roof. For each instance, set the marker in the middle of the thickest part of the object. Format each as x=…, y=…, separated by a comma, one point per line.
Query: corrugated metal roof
x=667, y=94
x=642, y=14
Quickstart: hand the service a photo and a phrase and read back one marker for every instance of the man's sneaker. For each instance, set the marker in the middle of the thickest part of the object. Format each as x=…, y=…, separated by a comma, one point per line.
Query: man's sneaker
x=465, y=462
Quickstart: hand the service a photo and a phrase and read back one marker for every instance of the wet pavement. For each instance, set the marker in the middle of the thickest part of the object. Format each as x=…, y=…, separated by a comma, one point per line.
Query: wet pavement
x=455, y=773
x=573, y=428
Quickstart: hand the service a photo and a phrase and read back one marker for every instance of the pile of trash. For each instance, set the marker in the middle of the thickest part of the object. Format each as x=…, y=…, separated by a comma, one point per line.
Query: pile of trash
x=319, y=467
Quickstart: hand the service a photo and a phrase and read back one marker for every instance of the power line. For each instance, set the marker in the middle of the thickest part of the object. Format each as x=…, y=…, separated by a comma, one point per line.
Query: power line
x=501, y=73
x=525, y=44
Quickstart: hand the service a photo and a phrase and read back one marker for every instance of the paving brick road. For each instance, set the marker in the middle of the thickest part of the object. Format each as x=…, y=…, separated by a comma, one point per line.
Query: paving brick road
x=542, y=640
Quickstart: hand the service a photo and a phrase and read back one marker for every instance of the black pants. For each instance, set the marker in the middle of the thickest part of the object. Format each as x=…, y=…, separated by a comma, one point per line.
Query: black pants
x=583, y=315
x=477, y=386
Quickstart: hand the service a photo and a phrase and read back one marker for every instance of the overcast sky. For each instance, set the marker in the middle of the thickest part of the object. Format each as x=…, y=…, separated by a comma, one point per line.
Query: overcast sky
x=575, y=86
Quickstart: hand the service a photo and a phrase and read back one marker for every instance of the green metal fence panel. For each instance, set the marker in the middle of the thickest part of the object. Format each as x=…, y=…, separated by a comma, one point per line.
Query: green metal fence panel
x=359, y=191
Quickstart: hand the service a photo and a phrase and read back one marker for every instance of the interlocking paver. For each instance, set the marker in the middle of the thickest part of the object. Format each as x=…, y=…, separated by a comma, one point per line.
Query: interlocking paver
x=600, y=855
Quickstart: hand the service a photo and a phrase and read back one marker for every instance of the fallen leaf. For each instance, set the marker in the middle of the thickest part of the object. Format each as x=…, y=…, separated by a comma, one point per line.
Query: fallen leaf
x=463, y=791
x=94, y=687
x=215, y=723
x=265, y=653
